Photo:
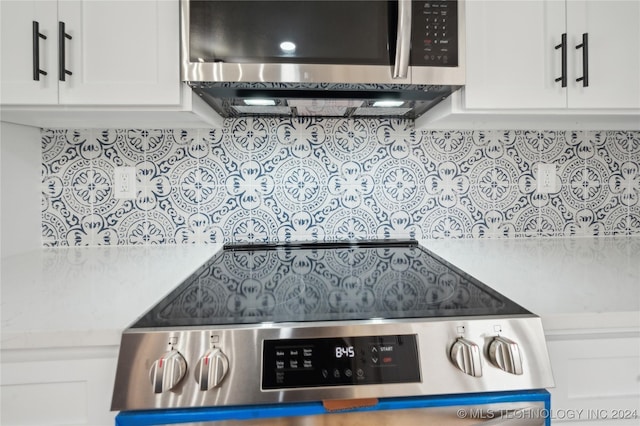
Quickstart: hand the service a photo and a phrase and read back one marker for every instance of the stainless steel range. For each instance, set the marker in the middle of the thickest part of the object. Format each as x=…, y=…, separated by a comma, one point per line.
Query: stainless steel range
x=309, y=322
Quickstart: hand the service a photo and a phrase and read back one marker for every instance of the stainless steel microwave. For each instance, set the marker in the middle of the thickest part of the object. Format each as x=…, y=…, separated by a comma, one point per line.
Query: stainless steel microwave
x=372, y=44
x=362, y=41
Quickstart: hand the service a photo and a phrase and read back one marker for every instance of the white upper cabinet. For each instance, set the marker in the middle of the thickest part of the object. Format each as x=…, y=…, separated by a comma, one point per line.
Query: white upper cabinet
x=511, y=60
x=612, y=29
x=515, y=54
x=21, y=52
x=115, y=52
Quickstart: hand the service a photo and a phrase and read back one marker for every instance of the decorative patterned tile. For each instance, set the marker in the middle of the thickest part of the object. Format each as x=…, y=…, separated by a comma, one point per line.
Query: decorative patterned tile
x=629, y=173
x=53, y=144
x=350, y=139
x=262, y=226
x=301, y=226
x=54, y=230
x=399, y=185
x=525, y=219
x=585, y=185
x=59, y=154
x=321, y=179
x=113, y=148
x=494, y=143
x=134, y=229
x=401, y=225
x=583, y=223
x=131, y=144
x=200, y=228
x=163, y=226
x=68, y=197
x=452, y=145
x=493, y=224
x=447, y=184
x=250, y=138
x=250, y=185
x=398, y=137
x=622, y=220
x=549, y=145
x=351, y=185
x=452, y=223
x=93, y=230
x=586, y=144
x=301, y=184
x=301, y=136
x=623, y=146
x=352, y=224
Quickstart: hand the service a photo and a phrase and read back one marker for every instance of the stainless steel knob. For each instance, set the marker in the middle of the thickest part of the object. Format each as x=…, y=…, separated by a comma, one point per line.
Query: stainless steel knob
x=466, y=356
x=212, y=369
x=505, y=354
x=167, y=371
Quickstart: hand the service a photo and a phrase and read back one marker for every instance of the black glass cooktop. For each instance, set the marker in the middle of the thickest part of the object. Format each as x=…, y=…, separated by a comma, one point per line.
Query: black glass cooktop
x=324, y=282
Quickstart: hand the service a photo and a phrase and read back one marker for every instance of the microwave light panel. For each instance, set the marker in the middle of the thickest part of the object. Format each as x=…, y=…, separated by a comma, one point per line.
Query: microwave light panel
x=378, y=112
x=321, y=112
x=387, y=104
x=288, y=46
x=258, y=110
x=259, y=102
x=325, y=103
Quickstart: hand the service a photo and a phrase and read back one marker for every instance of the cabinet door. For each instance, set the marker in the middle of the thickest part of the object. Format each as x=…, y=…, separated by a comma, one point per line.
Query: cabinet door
x=18, y=86
x=511, y=60
x=121, y=52
x=71, y=386
x=613, y=29
x=596, y=378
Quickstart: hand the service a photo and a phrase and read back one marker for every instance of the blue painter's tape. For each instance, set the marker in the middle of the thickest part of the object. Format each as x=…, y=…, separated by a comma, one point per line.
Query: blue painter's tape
x=246, y=412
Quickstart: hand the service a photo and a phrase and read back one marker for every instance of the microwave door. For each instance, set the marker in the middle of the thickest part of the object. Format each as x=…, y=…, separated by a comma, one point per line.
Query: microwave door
x=297, y=41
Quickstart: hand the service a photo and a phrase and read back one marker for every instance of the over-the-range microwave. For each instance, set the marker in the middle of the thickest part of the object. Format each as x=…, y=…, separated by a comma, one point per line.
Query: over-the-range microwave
x=348, y=50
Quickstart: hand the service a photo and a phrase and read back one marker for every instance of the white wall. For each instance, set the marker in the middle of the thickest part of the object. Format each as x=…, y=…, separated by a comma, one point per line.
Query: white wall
x=20, y=192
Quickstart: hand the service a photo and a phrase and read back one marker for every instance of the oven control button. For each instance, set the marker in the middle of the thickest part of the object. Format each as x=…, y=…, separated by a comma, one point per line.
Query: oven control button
x=466, y=356
x=505, y=354
x=167, y=371
x=212, y=369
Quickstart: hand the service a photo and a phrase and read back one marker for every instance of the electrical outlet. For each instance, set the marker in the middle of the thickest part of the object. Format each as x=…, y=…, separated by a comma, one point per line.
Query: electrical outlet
x=546, y=178
x=124, y=182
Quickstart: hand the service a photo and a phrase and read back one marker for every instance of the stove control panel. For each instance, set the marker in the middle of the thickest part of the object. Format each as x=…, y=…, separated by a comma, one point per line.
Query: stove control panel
x=337, y=361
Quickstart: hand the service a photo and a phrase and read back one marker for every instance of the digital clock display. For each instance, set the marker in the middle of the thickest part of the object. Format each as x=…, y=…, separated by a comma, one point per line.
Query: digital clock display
x=345, y=351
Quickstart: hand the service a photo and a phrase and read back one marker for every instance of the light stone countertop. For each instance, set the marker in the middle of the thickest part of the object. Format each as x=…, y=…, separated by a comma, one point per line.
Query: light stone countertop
x=576, y=285
x=82, y=297
x=76, y=297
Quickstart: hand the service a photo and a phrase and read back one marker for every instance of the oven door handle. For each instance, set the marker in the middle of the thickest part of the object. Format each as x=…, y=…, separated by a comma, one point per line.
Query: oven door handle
x=403, y=40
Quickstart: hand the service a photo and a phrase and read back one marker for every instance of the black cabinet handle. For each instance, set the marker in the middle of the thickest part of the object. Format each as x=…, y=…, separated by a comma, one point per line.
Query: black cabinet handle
x=36, y=51
x=585, y=60
x=563, y=46
x=62, y=37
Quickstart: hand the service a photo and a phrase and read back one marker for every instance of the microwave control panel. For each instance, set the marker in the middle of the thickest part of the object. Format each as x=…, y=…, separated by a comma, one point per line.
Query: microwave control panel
x=339, y=361
x=435, y=33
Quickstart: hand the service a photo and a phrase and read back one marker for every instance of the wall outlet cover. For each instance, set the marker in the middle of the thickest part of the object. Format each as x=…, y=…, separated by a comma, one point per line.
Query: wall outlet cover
x=124, y=181
x=547, y=179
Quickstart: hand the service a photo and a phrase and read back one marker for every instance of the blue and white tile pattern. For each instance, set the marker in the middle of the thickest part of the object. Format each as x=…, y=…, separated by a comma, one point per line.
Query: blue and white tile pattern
x=332, y=179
